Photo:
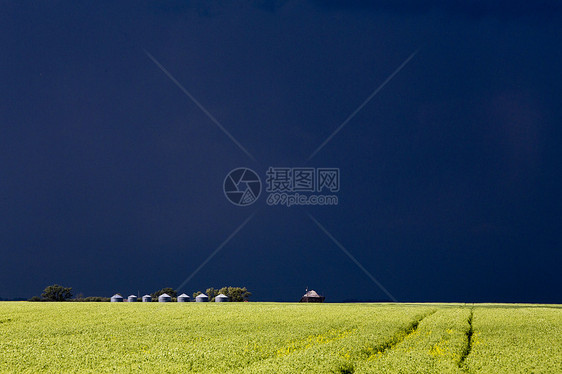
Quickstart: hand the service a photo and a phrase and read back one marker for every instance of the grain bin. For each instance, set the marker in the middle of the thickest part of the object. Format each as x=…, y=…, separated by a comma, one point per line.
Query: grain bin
x=164, y=298
x=202, y=298
x=116, y=298
x=146, y=298
x=221, y=298
x=183, y=298
x=132, y=298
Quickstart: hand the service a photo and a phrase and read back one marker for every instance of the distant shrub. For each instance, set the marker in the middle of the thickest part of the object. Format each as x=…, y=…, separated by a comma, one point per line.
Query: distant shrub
x=97, y=299
x=91, y=299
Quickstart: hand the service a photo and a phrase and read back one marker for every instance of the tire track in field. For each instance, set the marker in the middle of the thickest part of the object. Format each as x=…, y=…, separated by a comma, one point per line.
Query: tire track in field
x=379, y=349
x=396, y=339
x=300, y=345
x=469, y=341
x=303, y=344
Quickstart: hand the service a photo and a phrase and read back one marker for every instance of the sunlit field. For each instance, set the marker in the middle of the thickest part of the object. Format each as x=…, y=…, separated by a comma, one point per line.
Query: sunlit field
x=279, y=338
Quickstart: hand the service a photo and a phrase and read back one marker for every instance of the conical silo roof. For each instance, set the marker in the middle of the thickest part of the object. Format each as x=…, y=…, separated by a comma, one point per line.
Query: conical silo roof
x=221, y=298
x=164, y=298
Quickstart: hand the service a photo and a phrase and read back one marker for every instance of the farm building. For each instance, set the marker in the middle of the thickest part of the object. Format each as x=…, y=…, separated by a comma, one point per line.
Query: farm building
x=183, y=298
x=312, y=297
x=164, y=298
x=146, y=298
x=116, y=298
x=202, y=298
x=132, y=298
x=221, y=298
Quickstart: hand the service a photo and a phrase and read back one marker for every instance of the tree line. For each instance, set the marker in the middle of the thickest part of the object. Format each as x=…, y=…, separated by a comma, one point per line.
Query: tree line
x=235, y=294
x=57, y=292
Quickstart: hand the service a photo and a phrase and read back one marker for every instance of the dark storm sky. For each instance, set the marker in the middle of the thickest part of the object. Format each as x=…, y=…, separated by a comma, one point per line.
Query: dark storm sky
x=111, y=177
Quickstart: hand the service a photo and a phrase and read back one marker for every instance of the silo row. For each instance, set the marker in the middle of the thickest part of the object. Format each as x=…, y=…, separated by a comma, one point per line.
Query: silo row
x=165, y=298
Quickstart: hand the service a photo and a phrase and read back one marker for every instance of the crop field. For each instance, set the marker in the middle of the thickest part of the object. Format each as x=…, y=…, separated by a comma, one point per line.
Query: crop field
x=279, y=338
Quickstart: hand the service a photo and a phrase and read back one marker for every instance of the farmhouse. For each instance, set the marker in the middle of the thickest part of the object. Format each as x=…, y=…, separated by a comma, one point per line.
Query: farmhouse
x=312, y=297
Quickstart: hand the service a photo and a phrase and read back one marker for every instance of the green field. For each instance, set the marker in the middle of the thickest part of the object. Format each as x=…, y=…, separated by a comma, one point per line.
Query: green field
x=279, y=338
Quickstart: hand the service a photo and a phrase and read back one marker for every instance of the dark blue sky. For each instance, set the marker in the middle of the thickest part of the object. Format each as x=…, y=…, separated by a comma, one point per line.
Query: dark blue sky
x=111, y=177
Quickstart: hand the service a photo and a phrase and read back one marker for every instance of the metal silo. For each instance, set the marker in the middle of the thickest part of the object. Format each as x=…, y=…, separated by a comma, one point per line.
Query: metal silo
x=146, y=298
x=164, y=298
x=183, y=298
x=132, y=298
x=202, y=298
x=221, y=298
x=116, y=298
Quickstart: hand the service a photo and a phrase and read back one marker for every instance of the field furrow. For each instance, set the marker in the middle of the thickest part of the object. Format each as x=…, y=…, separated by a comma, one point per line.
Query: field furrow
x=435, y=346
x=516, y=340
x=469, y=341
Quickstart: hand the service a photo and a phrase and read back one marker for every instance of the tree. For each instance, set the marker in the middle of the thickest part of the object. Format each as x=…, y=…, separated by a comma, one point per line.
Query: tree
x=212, y=293
x=57, y=293
x=170, y=291
x=235, y=293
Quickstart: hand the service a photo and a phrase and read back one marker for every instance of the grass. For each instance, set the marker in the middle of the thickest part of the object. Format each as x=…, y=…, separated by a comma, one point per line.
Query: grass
x=279, y=338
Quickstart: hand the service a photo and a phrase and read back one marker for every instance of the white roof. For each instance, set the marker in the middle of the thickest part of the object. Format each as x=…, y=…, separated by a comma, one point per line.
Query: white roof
x=147, y=296
x=183, y=295
x=116, y=296
x=132, y=295
x=164, y=295
x=202, y=295
x=222, y=295
x=311, y=293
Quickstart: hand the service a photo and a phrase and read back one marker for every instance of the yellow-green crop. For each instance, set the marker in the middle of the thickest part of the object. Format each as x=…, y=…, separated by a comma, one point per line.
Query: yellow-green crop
x=279, y=338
